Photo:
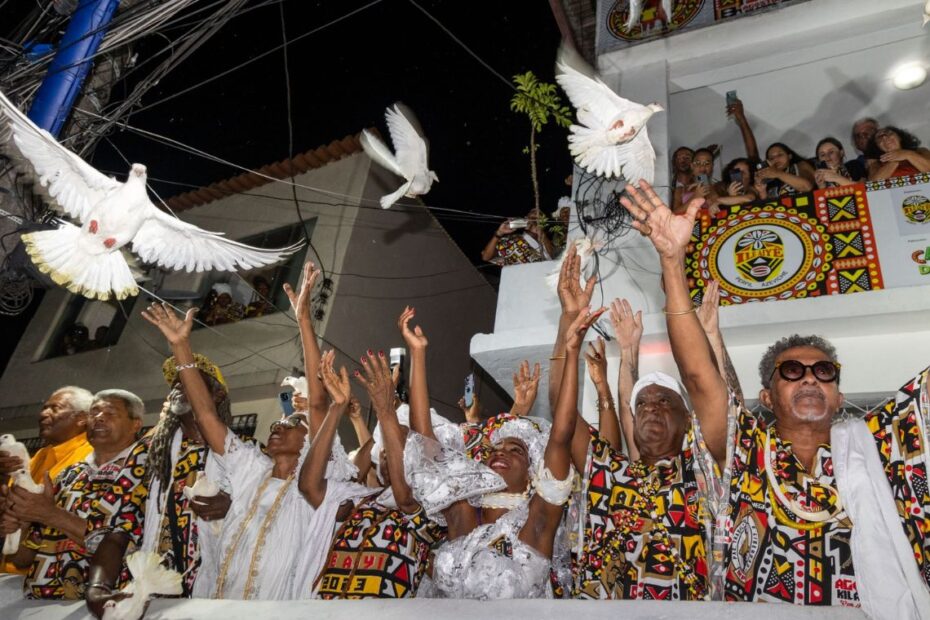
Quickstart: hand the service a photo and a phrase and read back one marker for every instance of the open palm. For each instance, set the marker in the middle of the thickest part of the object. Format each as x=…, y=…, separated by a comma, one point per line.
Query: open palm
x=669, y=233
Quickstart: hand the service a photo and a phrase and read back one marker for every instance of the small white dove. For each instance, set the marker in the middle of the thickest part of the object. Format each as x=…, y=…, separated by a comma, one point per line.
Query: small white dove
x=585, y=248
x=21, y=478
x=410, y=160
x=298, y=384
x=149, y=577
x=610, y=139
x=636, y=14
x=668, y=8
x=926, y=14
x=204, y=487
x=87, y=259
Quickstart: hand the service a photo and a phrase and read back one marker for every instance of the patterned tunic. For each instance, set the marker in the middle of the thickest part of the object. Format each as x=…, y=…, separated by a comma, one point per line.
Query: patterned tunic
x=59, y=570
x=378, y=552
x=774, y=555
x=177, y=536
x=643, y=534
x=900, y=431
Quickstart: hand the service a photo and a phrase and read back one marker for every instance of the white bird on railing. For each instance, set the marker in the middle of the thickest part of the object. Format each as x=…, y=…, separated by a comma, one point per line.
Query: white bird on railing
x=87, y=259
x=610, y=138
x=149, y=577
x=410, y=160
x=20, y=478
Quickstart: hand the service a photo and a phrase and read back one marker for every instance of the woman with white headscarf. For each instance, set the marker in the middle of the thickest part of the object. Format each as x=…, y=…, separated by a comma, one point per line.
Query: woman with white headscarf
x=500, y=543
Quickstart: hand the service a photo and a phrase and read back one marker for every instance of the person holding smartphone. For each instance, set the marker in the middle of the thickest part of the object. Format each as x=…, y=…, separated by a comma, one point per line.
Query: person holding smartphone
x=703, y=185
x=519, y=241
x=831, y=171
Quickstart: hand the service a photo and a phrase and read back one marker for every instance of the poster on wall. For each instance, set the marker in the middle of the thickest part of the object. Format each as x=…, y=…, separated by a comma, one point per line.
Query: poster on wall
x=901, y=209
x=808, y=245
x=614, y=18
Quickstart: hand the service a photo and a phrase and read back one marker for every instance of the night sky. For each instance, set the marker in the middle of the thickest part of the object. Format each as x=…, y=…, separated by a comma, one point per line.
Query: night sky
x=343, y=77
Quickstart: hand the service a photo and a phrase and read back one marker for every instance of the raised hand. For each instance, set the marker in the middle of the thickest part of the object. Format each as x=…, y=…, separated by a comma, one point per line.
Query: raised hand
x=174, y=328
x=707, y=312
x=669, y=233
x=415, y=338
x=336, y=385
x=525, y=387
x=572, y=296
x=596, y=357
x=355, y=409
x=628, y=327
x=375, y=377
x=300, y=301
x=574, y=337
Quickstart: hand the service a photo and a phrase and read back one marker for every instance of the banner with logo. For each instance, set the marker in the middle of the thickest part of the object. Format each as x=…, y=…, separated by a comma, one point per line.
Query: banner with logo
x=613, y=16
x=820, y=243
x=901, y=210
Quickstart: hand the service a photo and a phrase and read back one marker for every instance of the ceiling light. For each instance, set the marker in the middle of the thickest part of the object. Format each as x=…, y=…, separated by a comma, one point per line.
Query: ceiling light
x=909, y=76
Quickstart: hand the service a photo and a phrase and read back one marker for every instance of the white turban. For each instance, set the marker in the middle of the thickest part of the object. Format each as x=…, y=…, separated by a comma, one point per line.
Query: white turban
x=663, y=380
x=447, y=433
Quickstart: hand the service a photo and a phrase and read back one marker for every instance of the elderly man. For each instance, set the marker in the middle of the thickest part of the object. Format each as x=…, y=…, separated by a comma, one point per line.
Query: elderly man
x=788, y=529
x=645, y=527
x=863, y=130
x=172, y=456
x=62, y=426
x=79, y=501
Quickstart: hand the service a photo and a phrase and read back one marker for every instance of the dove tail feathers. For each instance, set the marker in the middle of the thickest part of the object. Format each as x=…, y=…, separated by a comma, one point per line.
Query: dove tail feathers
x=11, y=543
x=61, y=254
x=150, y=577
x=390, y=199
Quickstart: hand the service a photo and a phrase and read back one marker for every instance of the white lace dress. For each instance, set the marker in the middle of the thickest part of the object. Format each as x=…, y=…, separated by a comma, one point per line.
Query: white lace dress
x=491, y=562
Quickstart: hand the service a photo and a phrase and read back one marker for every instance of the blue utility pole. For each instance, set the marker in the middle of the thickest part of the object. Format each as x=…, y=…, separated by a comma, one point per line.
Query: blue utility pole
x=72, y=62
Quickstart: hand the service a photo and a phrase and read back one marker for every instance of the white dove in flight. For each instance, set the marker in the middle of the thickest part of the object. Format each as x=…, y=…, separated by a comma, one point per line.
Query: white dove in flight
x=21, y=478
x=149, y=577
x=610, y=138
x=86, y=260
x=410, y=160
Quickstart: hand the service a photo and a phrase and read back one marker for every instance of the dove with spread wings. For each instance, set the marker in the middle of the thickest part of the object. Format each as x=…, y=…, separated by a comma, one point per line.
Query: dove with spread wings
x=410, y=160
x=87, y=259
x=610, y=139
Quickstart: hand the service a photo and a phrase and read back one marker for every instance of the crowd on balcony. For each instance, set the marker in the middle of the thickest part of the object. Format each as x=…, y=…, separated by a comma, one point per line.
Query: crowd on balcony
x=882, y=152
x=679, y=493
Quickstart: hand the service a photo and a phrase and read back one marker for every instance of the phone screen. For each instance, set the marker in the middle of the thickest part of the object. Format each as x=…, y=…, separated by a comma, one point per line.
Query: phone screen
x=736, y=176
x=703, y=179
x=732, y=97
x=469, y=389
x=287, y=405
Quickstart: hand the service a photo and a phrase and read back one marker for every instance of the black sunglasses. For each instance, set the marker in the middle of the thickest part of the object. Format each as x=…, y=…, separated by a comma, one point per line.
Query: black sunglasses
x=824, y=371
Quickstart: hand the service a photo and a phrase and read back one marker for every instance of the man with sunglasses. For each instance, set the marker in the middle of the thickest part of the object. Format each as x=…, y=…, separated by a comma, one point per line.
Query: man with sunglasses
x=785, y=533
x=800, y=483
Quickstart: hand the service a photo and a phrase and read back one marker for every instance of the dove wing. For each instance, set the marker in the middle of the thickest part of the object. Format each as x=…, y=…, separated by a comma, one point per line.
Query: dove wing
x=75, y=185
x=379, y=152
x=634, y=160
x=175, y=244
x=408, y=143
x=592, y=98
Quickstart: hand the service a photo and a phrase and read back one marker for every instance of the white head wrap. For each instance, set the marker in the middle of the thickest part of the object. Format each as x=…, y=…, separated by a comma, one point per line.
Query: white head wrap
x=447, y=434
x=663, y=380
x=534, y=432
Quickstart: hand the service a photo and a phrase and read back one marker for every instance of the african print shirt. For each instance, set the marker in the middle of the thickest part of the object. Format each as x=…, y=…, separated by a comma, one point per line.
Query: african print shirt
x=177, y=534
x=59, y=570
x=518, y=249
x=379, y=552
x=643, y=533
x=773, y=554
x=900, y=431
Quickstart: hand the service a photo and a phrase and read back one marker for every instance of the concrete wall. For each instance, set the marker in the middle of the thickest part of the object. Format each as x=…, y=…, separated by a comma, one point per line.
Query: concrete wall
x=405, y=244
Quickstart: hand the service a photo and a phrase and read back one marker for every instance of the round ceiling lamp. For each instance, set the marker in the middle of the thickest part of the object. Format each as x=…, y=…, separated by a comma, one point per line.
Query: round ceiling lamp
x=909, y=76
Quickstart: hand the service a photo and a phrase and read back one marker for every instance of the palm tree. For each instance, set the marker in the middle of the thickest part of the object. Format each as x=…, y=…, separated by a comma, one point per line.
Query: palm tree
x=539, y=101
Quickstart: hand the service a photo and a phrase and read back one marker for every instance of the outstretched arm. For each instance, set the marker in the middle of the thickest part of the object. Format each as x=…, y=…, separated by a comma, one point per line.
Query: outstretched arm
x=670, y=234
x=749, y=138
x=708, y=315
x=628, y=328
x=608, y=425
x=300, y=302
x=312, y=482
x=543, y=519
x=177, y=332
x=376, y=379
x=416, y=341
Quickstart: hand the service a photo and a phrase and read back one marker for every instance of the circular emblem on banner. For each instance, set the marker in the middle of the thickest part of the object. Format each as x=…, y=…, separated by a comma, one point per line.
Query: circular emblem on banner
x=916, y=209
x=768, y=254
x=652, y=23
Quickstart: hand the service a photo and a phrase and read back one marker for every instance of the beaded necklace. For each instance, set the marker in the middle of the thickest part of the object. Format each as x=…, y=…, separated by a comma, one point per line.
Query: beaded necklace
x=259, y=543
x=794, y=499
x=645, y=504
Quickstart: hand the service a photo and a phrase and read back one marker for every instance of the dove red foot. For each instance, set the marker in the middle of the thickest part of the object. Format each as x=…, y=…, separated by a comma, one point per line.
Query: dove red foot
x=88, y=260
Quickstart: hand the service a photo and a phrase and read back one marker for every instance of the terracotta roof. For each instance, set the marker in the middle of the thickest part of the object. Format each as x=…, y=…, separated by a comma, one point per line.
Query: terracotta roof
x=317, y=158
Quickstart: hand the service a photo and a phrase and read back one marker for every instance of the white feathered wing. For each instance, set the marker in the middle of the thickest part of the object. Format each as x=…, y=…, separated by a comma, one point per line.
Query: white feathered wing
x=149, y=578
x=21, y=478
